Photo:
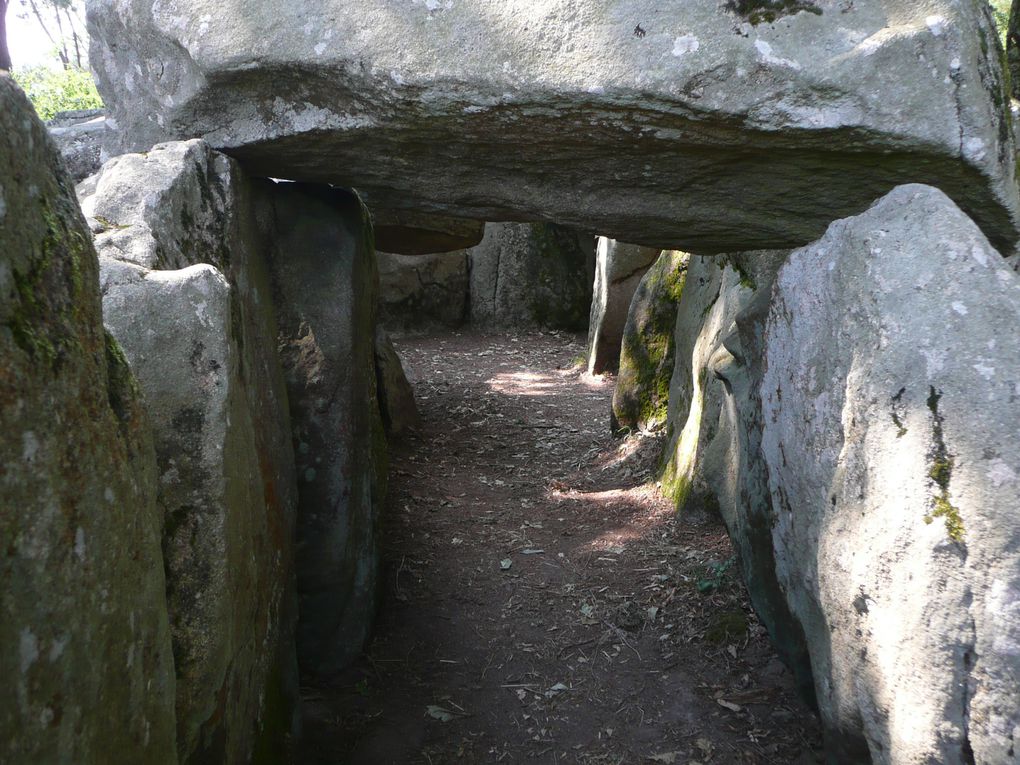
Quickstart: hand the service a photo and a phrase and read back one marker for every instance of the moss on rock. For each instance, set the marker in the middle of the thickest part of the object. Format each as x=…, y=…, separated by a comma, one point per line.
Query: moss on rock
x=940, y=472
x=641, y=399
x=82, y=583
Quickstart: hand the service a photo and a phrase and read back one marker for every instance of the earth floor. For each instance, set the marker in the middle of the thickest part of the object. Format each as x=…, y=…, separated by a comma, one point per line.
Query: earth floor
x=543, y=602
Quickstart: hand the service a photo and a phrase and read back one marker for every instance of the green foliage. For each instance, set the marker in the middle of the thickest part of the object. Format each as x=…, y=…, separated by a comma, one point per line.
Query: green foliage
x=58, y=90
x=1000, y=10
x=715, y=576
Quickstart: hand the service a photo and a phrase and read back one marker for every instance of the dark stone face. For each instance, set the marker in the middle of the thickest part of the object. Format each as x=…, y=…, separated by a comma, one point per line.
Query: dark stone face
x=324, y=286
x=767, y=11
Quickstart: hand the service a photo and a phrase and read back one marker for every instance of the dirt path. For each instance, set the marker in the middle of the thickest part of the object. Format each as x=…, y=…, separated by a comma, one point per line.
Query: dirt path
x=542, y=601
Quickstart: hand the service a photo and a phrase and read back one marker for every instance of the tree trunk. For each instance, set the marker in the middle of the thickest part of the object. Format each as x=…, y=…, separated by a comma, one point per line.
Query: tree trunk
x=5, y=55
x=74, y=37
x=1013, y=49
x=61, y=45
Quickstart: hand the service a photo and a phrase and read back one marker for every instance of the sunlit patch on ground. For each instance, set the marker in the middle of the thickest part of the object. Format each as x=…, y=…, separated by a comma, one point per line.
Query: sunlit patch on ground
x=525, y=383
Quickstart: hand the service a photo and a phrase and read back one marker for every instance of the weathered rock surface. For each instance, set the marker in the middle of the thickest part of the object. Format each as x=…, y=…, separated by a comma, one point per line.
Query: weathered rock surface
x=866, y=469
x=890, y=436
x=186, y=292
x=84, y=640
x=618, y=271
x=531, y=275
x=719, y=135
x=162, y=209
x=421, y=291
x=79, y=135
x=325, y=287
x=409, y=233
x=641, y=397
x=714, y=455
x=396, y=397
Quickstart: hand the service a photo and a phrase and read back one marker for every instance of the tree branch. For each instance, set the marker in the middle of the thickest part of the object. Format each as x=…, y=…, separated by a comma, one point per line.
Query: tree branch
x=5, y=54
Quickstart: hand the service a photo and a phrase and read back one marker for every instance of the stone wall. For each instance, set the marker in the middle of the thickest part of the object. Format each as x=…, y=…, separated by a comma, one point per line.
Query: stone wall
x=843, y=407
x=186, y=292
x=265, y=447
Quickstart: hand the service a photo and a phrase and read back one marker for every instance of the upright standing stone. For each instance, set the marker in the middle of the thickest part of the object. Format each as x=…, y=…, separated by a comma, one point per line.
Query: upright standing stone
x=325, y=288
x=893, y=452
x=714, y=462
x=531, y=275
x=618, y=271
x=641, y=397
x=421, y=291
x=84, y=638
x=186, y=292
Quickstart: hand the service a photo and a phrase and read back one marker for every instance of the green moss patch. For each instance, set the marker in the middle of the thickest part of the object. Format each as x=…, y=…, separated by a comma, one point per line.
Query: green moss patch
x=50, y=291
x=746, y=278
x=940, y=472
x=727, y=626
x=646, y=355
x=675, y=486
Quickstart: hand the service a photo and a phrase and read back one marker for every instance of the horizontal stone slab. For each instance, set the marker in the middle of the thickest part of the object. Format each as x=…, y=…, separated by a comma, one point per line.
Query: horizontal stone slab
x=692, y=126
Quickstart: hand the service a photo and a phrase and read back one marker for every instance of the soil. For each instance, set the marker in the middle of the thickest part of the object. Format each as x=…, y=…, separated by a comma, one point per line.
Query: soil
x=543, y=602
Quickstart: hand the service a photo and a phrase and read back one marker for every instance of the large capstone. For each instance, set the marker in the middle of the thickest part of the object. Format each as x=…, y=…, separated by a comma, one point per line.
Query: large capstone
x=890, y=436
x=186, y=293
x=531, y=275
x=703, y=125
x=85, y=647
